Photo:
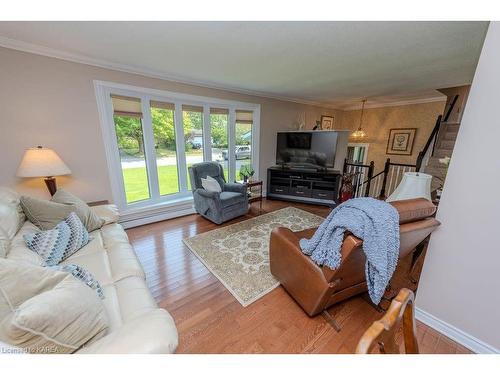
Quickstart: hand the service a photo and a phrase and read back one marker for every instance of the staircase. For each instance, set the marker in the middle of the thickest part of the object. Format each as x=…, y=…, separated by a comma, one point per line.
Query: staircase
x=443, y=147
x=446, y=135
x=439, y=145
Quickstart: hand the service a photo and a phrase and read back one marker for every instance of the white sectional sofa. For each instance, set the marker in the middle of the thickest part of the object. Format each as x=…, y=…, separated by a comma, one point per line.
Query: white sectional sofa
x=136, y=323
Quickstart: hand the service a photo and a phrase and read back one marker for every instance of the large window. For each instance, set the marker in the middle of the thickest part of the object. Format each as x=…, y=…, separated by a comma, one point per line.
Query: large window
x=127, y=117
x=153, y=137
x=219, y=119
x=243, y=149
x=192, y=120
x=162, y=118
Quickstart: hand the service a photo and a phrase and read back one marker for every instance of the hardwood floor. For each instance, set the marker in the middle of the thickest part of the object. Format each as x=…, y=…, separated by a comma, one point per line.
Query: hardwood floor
x=210, y=320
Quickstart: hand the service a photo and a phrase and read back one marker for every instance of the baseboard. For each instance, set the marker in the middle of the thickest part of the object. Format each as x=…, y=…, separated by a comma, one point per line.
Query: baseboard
x=127, y=224
x=463, y=338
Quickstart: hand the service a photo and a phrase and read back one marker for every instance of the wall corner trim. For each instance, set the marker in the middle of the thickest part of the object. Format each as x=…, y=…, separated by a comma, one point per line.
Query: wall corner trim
x=454, y=333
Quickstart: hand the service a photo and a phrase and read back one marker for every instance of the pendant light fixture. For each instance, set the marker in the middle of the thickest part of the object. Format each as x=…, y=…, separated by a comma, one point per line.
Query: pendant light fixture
x=360, y=133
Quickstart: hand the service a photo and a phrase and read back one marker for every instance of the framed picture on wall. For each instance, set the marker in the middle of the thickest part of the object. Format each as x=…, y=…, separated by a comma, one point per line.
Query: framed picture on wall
x=326, y=122
x=400, y=141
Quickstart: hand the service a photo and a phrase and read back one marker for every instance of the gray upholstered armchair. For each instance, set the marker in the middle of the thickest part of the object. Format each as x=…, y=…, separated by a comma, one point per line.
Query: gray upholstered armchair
x=217, y=207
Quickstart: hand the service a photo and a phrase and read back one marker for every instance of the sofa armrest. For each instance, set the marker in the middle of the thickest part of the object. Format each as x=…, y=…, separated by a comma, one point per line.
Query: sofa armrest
x=107, y=212
x=235, y=187
x=151, y=333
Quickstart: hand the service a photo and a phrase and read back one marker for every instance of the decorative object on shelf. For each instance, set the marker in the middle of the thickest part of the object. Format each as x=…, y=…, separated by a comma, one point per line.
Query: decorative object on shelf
x=400, y=141
x=246, y=172
x=326, y=122
x=300, y=123
x=347, y=189
x=360, y=133
x=413, y=185
x=43, y=162
x=318, y=125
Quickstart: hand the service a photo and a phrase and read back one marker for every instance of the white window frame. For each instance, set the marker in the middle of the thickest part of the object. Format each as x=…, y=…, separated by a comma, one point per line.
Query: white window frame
x=103, y=91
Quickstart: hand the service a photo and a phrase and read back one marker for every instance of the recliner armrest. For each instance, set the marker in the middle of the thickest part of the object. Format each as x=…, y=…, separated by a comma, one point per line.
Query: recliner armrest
x=297, y=273
x=207, y=194
x=235, y=187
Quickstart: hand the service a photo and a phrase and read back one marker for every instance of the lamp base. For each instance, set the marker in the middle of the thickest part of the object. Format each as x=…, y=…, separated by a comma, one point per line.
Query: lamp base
x=51, y=184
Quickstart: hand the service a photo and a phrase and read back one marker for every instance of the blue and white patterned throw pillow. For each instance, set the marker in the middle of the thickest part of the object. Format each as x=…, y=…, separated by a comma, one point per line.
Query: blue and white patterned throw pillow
x=57, y=244
x=83, y=275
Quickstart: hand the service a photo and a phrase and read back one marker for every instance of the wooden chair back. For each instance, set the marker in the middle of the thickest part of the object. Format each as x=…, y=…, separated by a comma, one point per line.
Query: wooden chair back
x=383, y=331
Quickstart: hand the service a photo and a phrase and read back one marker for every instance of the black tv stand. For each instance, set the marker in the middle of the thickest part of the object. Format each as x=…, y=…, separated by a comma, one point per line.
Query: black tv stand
x=303, y=185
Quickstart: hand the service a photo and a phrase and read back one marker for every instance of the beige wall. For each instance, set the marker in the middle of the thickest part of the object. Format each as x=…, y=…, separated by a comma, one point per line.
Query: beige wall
x=51, y=102
x=378, y=121
x=460, y=280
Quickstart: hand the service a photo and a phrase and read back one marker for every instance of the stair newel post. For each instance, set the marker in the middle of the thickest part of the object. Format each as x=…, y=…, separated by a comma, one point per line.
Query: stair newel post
x=344, y=171
x=371, y=168
x=384, y=181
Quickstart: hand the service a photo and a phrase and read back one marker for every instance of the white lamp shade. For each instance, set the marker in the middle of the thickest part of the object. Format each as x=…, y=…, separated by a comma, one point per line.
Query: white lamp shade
x=41, y=162
x=413, y=185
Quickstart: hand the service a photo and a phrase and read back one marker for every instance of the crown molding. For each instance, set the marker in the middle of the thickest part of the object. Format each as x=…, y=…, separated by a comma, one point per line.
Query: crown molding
x=36, y=49
x=86, y=60
x=397, y=103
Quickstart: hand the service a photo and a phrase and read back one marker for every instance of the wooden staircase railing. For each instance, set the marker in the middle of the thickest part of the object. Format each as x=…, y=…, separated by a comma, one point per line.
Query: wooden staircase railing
x=361, y=187
x=367, y=184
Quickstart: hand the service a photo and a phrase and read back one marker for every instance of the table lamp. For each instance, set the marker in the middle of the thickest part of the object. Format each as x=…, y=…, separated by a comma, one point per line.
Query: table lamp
x=413, y=185
x=43, y=162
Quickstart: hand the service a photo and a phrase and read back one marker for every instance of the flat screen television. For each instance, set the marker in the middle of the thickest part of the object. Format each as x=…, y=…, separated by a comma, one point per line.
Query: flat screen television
x=307, y=150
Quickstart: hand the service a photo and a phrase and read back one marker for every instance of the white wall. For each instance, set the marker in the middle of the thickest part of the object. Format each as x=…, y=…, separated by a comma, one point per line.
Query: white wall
x=459, y=291
x=51, y=102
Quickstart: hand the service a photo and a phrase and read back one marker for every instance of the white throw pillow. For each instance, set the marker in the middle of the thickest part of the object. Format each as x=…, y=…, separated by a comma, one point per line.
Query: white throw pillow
x=211, y=184
x=46, y=311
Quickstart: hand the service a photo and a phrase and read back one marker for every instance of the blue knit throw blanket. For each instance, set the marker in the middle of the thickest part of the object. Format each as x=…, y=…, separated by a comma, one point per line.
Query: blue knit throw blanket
x=376, y=223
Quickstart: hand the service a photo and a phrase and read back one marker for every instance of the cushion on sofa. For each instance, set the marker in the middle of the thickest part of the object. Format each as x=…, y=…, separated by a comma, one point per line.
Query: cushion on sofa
x=107, y=212
x=43, y=213
x=80, y=273
x=57, y=244
x=49, y=311
x=86, y=215
x=11, y=218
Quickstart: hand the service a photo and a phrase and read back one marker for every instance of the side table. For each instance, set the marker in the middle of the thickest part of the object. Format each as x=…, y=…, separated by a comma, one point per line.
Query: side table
x=254, y=189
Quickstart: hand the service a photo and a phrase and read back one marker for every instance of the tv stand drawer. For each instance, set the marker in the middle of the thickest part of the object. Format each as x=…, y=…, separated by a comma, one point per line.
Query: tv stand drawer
x=322, y=194
x=301, y=191
x=277, y=189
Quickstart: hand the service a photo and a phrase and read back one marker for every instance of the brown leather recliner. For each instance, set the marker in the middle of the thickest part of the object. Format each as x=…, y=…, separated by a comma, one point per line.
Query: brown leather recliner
x=315, y=288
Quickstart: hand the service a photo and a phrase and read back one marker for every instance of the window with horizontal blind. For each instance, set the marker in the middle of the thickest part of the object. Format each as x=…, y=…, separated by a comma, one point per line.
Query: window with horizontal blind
x=243, y=148
x=127, y=115
x=219, y=121
x=153, y=137
x=162, y=119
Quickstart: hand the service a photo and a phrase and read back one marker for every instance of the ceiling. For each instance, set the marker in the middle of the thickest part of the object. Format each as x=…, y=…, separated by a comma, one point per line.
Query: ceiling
x=329, y=63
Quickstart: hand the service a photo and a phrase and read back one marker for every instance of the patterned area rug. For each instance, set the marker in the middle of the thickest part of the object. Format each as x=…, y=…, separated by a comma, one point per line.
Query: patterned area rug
x=238, y=255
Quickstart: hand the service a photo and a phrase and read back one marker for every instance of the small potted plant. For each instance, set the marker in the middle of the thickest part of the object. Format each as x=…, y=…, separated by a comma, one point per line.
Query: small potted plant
x=246, y=172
